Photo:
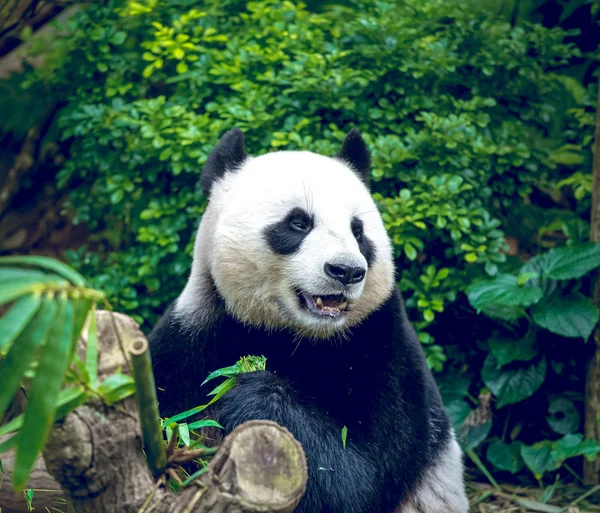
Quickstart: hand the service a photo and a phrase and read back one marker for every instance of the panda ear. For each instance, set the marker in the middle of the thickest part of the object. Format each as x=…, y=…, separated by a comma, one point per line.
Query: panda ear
x=228, y=155
x=356, y=154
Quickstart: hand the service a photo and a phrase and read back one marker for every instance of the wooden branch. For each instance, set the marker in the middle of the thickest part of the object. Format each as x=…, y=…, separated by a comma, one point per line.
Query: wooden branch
x=95, y=454
x=25, y=13
x=591, y=470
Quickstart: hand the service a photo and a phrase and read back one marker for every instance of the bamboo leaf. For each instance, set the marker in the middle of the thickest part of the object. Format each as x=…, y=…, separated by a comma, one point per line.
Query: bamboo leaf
x=184, y=433
x=69, y=399
x=223, y=389
x=225, y=384
x=91, y=355
x=225, y=371
x=14, y=290
x=47, y=263
x=81, y=310
x=194, y=476
x=204, y=423
x=8, y=444
x=45, y=390
x=117, y=387
x=10, y=275
x=22, y=351
x=183, y=415
x=13, y=322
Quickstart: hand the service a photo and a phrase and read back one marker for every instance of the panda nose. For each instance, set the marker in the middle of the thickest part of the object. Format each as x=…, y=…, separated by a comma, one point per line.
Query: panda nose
x=344, y=273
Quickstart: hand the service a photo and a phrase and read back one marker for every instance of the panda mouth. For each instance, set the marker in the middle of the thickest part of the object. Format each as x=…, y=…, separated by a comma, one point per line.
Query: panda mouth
x=327, y=306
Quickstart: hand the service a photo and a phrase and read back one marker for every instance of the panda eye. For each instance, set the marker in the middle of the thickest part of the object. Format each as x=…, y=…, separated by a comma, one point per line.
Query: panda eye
x=300, y=222
x=357, y=230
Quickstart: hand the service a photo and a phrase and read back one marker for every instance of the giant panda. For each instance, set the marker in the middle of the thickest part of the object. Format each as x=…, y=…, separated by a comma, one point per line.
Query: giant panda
x=292, y=261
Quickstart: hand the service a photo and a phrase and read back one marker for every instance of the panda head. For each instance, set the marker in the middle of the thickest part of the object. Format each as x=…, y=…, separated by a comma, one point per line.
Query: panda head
x=291, y=239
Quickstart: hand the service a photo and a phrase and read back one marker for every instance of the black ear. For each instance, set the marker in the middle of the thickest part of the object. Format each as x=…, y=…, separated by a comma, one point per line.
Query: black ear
x=226, y=156
x=356, y=154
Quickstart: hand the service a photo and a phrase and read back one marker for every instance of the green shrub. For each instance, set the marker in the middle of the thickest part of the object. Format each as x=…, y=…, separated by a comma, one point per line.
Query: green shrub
x=468, y=118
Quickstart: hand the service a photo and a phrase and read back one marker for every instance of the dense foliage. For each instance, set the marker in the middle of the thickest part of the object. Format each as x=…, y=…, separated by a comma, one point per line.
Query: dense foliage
x=473, y=126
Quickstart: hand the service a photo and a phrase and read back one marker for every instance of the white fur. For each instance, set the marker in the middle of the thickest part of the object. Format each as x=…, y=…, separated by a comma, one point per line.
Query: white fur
x=442, y=488
x=257, y=284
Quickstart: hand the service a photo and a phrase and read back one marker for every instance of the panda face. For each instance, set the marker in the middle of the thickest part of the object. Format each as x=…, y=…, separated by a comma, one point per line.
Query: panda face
x=294, y=240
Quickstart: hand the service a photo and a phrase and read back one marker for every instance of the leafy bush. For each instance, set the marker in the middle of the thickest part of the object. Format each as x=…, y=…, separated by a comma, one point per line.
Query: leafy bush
x=469, y=120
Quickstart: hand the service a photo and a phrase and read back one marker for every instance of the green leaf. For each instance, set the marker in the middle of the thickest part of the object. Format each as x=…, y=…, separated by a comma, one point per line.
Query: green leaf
x=29, y=498
x=225, y=371
x=49, y=264
x=81, y=310
x=512, y=385
x=473, y=434
x=564, y=416
x=538, y=458
x=91, y=351
x=181, y=67
x=458, y=410
x=570, y=262
x=13, y=367
x=227, y=384
x=251, y=364
x=9, y=291
x=453, y=386
x=118, y=38
x=117, y=387
x=509, y=350
x=344, y=436
x=9, y=444
x=68, y=400
x=194, y=476
x=13, y=322
x=183, y=415
x=45, y=389
x=218, y=392
x=184, y=433
x=410, y=251
x=504, y=290
x=572, y=316
x=11, y=275
x=204, y=423
x=572, y=445
x=505, y=456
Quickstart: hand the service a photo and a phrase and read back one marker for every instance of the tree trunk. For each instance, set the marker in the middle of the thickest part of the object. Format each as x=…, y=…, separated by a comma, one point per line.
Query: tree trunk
x=591, y=469
x=95, y=454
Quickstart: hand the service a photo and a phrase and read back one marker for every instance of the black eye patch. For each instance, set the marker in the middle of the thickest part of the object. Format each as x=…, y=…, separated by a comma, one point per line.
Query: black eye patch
x=365, y=246
x=285, y=237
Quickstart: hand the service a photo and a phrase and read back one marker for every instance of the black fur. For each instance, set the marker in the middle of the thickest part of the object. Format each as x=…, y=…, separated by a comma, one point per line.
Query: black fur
x=286, y=236
x=365, y=245
x=227, y=155
x=356, y=153
x=376, y=383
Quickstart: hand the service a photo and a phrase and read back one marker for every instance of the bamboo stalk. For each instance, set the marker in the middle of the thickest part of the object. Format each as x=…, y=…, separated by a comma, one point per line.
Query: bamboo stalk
x=154, y=447
x=591, y=469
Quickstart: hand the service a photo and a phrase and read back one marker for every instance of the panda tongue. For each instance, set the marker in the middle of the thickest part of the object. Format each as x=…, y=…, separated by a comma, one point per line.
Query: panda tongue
x=324, y=305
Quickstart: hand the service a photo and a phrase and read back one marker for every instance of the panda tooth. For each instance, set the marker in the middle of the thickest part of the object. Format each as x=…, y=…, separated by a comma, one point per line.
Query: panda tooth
x=343, y=305
x=319, y=303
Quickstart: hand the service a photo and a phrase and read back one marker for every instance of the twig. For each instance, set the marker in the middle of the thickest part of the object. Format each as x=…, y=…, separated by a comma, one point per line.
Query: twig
x=580, y=498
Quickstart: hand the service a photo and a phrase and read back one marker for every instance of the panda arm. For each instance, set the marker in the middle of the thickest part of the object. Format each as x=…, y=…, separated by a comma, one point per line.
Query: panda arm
x=343, y=480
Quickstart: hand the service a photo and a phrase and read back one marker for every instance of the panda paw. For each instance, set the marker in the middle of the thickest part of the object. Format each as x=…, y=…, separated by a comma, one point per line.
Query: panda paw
x=259, y=395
